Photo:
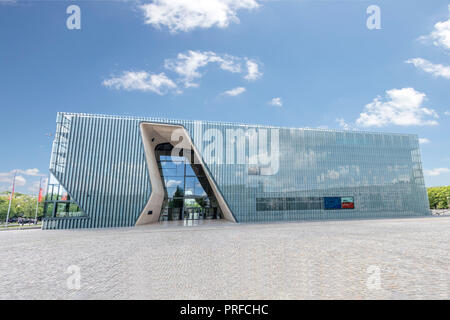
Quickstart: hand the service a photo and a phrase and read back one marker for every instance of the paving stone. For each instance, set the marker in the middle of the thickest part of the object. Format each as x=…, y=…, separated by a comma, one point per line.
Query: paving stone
x=359, y=259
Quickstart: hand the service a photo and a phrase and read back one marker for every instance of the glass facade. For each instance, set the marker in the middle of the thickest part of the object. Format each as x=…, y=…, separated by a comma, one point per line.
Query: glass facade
x=57, y=202
x=188, y=194
x=306, y=174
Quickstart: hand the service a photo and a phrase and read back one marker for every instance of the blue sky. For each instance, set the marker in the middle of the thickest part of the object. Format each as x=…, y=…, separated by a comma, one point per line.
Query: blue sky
x=285, y=63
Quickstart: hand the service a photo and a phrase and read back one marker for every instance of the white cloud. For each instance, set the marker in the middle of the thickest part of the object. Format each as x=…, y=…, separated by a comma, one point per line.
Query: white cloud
x=142, y=81
x=31, y=172
x=441, y=34
x=437, y=70
x=447, y=113
x=23, y=184
x=7, y=179
x=253, y=72
x=402, y=107
x=277, y=102
x=188, y=65
x=332, y=174
x=424, y=140
x=343, y=124
x=186, y=15
x=230, y=63
x=436, y=172
x=173, y=183
x=20, y=181
x=34, y=187
x=234, y=92
x=27, y=172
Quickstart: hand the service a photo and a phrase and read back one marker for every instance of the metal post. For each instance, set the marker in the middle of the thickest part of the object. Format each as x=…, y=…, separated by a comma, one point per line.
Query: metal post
x=37, y=201
x=10, y=199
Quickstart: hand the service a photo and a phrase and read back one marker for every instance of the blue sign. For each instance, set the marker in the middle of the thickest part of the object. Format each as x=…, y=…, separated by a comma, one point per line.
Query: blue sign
x=332, y=203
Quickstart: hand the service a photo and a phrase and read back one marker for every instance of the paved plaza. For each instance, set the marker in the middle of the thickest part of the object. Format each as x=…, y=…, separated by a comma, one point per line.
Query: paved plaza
x=360, y=259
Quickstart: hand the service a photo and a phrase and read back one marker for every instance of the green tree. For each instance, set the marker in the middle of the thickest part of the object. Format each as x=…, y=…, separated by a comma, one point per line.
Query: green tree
x=177, y=201
x=22, y=205
x=439, y=197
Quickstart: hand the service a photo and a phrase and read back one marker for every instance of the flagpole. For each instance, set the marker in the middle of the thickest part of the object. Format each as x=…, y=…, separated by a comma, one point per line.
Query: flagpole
x=10, y=199
x=37, y=201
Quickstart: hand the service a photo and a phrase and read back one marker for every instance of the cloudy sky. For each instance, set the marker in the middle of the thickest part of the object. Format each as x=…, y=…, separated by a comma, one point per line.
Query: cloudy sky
x=296, y=63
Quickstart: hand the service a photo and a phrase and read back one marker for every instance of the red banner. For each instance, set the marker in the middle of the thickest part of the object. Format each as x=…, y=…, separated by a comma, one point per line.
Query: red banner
x=348, y=205
x=13, y=187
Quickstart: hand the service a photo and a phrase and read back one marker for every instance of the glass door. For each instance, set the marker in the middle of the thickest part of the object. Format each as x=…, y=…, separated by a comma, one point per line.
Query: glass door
x=188, y=195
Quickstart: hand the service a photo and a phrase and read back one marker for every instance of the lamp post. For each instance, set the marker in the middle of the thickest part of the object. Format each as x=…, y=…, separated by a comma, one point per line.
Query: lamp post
x=38, y=200
x=10, y=199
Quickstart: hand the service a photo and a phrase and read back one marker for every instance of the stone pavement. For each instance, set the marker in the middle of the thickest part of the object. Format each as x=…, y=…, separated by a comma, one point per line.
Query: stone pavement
x=360, y=259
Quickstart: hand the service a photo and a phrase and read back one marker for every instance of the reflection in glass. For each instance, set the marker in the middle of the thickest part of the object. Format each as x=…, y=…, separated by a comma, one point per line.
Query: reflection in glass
x=58, y=203
x=188, y=194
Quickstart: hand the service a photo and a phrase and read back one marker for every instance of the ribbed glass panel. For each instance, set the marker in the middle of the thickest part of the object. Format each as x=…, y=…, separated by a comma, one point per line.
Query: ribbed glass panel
x=103, y=170
x=100, y=161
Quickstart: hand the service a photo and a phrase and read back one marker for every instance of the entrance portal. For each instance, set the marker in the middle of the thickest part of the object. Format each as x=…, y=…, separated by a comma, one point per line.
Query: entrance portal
x=187, y=193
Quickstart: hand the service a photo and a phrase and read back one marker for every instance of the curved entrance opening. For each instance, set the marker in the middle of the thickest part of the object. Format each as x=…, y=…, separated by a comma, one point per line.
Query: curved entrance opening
x=182, y=187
